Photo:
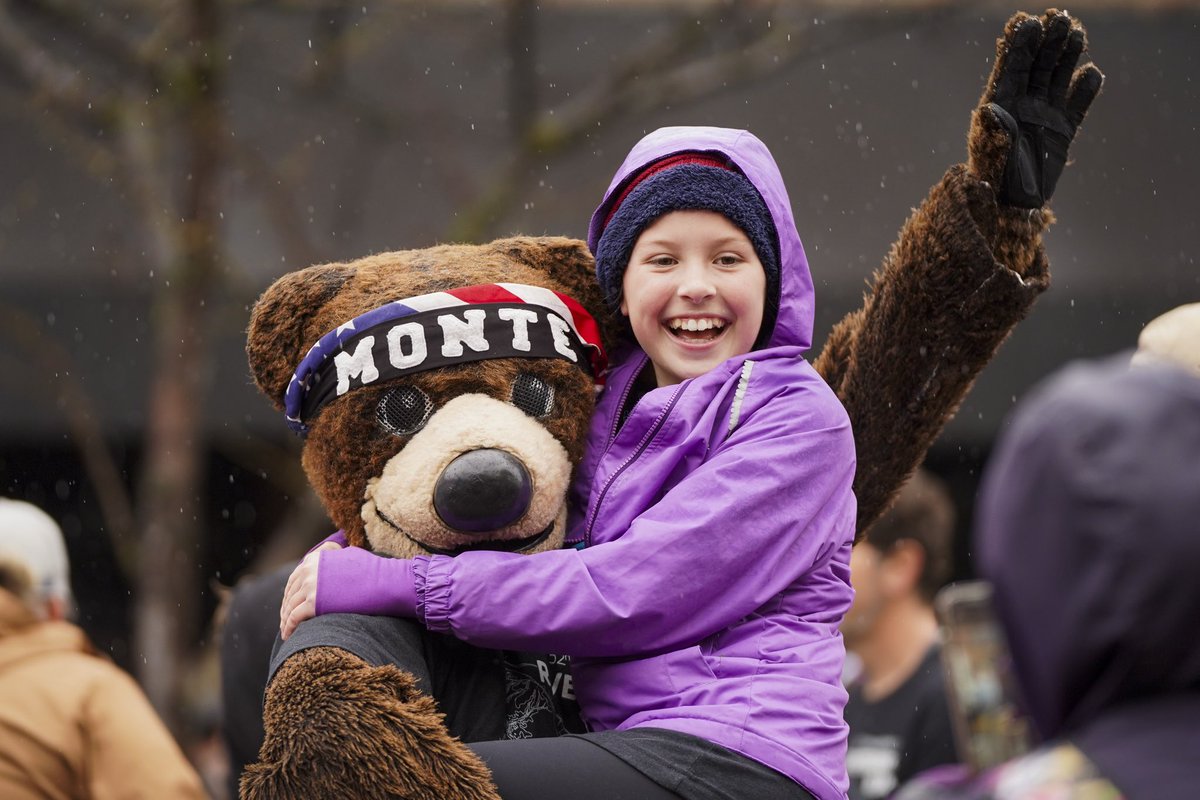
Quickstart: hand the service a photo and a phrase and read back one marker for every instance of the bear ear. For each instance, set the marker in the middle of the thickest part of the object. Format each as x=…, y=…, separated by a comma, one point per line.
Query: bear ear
x=570, y=265
x=284, y=324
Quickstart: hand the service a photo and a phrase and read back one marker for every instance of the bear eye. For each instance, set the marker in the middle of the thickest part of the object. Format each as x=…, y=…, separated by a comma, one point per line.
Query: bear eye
x=404, y=410
x=533, y=395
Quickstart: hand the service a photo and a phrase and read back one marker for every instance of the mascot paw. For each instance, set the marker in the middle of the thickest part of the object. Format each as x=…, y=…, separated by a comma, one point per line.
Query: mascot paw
x=338, y=727
x=1032, y=107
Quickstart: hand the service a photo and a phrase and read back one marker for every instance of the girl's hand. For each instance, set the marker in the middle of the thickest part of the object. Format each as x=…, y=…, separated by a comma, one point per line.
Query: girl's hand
x=300, y=594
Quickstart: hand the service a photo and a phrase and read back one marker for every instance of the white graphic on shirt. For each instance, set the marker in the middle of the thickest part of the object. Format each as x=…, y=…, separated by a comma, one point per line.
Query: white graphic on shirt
x=871, y=764
x=526, y=701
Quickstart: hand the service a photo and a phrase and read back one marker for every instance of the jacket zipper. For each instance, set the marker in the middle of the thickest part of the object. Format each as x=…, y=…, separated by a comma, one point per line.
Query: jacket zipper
x=612, y=433
x=642, y=445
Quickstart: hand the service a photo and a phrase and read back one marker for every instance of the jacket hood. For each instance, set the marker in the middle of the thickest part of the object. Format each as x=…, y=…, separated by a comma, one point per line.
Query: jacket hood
x=794, y=322
x=1087, y=531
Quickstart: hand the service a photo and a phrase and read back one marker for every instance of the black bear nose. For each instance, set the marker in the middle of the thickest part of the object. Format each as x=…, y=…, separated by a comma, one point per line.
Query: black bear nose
x=482, y=490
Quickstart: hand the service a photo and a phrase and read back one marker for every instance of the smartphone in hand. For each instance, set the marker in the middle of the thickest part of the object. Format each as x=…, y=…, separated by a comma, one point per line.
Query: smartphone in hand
x=989, y=726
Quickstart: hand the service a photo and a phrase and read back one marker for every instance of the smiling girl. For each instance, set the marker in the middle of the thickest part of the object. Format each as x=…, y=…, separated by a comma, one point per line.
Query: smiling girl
x=693, y=293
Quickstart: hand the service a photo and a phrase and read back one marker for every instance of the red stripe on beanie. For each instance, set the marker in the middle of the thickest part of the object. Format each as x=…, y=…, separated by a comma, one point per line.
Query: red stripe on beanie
x=659, y=166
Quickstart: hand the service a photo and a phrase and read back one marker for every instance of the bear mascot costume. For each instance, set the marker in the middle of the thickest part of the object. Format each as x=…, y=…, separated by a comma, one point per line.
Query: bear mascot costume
x=444, y=395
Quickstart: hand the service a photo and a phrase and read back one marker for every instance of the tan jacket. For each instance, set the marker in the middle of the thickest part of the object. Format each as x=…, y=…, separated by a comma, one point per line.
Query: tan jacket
x=73, y=725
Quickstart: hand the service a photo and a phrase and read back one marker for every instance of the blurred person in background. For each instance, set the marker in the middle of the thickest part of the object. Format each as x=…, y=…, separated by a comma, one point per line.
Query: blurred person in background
x=247, y=636
x=1087, y=534
x=898, y=713
x=72, y=724
x=1172, y=338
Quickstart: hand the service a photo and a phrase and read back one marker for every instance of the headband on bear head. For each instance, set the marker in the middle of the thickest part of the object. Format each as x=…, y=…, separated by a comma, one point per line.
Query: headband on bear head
x=459, y=326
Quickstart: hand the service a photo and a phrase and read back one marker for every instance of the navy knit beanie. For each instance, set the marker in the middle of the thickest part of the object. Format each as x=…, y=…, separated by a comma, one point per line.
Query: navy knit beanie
x=687, y=182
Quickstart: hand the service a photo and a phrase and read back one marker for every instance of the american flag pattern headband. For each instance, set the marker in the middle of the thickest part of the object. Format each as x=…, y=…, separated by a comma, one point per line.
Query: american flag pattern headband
x=473, y=323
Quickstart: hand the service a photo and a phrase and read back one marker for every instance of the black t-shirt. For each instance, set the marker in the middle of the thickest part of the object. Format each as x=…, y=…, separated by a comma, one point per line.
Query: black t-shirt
x=902, y=734
x=539, y=696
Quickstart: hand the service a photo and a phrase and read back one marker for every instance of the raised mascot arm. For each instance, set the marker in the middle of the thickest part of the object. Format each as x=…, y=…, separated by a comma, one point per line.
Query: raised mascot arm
x=967, y=265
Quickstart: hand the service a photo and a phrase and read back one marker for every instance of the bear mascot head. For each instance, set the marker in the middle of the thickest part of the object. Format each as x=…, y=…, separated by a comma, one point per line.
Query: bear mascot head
x=443, y=394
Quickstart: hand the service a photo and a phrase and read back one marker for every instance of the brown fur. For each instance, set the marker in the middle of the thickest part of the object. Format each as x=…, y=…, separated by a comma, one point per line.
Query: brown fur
x=962, y=273
x=339, y=474
x=342, y=728
x=940, y=306
x=302, y=306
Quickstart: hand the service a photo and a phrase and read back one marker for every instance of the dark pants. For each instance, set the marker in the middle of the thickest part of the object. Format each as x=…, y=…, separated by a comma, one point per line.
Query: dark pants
x=564, y=766
x=491, y=697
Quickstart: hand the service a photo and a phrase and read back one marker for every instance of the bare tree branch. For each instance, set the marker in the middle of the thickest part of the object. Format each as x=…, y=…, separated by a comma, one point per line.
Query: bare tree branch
x=521, y=39
x=49, y=78
x=671, y=72
x=96, y=156
x=558, y=128
x=276, y=192
x=330, y=19
x=139, y=133
x=170, y=483
x=100, y=33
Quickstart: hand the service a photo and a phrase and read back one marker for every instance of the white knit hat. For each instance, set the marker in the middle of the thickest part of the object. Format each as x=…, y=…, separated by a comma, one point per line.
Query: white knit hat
x=1173, y=338
x=28, y=536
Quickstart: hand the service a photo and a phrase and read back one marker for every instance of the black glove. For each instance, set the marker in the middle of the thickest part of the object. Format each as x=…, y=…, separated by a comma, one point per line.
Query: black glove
x=1039, y=99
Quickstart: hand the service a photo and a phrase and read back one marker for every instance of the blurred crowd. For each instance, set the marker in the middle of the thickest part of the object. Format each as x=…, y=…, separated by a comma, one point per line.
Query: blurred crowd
x=1070, y=668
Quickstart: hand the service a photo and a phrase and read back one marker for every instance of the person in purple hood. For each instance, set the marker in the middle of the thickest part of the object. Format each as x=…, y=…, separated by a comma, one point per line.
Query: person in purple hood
x=713, y=513
x=1087, y=533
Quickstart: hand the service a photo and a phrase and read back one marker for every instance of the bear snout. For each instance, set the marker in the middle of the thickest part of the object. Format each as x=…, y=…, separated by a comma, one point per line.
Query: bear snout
x=481, y=475
x=482, y=491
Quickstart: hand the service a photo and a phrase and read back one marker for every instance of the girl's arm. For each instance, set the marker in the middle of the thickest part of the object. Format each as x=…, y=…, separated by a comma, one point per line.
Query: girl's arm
x=772, y=501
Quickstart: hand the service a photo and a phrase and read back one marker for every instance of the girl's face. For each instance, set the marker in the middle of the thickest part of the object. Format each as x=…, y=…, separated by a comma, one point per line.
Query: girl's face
x=693, y=292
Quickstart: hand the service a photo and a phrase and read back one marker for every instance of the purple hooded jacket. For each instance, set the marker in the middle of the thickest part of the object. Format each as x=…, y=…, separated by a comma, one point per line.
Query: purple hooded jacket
x=718, y=527
x=713, y=534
